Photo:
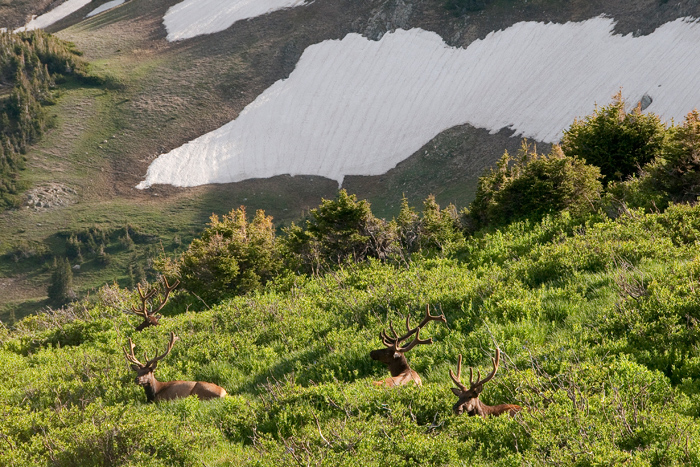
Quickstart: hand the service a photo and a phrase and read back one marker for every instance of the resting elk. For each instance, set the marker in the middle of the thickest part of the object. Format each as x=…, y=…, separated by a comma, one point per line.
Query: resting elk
x=151, y=317
x=158, y=391
x=469, y=398
x=393, y=355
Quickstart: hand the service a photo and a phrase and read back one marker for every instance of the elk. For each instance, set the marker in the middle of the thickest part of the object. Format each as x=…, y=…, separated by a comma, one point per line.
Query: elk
x=151, y=317
x=469, y=398
x=158, y=391
x=393, y=355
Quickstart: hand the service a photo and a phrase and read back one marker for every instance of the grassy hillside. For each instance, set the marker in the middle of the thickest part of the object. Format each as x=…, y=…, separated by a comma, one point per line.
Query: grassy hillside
x=596, y=322
x=164, y=94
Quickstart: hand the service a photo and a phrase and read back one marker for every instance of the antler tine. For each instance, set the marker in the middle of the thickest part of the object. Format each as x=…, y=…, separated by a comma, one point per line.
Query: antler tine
x=458, y=379
x=144, y=299
x=488, y=377
x=389, y=341
x=168, y=289
x=130, y=355
x=415, y=342
x=155, y=360
x=428, y=317
x=386, y=340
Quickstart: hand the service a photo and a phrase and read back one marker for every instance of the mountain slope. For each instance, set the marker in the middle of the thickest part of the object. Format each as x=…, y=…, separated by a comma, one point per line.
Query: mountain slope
x=168, y=93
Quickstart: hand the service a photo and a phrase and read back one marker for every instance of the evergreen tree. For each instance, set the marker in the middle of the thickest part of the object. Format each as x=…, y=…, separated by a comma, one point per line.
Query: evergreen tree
x=532, y=186
x=60, y=289
x=233, y=256
x=617, y=141
x=339, y=230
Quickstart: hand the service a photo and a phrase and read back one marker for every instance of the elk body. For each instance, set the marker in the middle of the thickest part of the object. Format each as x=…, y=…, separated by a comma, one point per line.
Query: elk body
x=469, y=397
x=393, y=355
x=157, y=390
x=151, y=317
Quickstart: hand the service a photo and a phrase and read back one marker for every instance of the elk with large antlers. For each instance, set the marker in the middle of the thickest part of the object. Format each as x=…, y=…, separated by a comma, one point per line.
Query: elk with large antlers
x=469, y=398
x=393, y=355
x=151, y=316
x=158, y=391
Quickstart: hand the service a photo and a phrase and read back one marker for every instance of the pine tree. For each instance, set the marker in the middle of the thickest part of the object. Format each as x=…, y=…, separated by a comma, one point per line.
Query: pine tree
x=60, y=289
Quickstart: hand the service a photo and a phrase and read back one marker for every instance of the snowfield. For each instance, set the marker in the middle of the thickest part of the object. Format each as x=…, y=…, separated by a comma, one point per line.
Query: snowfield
x=192, y=18
x=359, y=107
x=57, y=14
x=105, y=7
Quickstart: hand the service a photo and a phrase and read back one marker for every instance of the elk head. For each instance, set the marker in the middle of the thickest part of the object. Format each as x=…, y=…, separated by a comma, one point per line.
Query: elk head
x=393, y=356
x=469, y=397
x=156, y=390
x=151, y=316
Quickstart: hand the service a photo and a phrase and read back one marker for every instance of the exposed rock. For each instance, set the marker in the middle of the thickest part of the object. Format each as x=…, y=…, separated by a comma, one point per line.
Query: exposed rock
x=391, y=15
x=50, y=196
x=646, y=101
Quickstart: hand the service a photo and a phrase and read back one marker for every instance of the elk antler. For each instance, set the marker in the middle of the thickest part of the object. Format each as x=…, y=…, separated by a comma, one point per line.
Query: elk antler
x=130, y=355
x=394, y=342
x=479, y=382
x=458, y=378
x=154, y=361
x=150, y=318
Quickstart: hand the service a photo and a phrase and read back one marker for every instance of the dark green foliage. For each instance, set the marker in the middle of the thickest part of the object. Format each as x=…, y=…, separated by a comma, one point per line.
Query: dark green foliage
x=30, y=63
x=232, y=256
x=60, y=289
x=617, y=141
x=672, y=177
x=677, y=171
x=434, y=229
x=532, y=186
x=339, y=231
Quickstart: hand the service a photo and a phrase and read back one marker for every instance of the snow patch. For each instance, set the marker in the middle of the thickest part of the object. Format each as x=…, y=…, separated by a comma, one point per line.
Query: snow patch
x=57, y=14
x=192, y=18
x=105, y=7
x=359, y=107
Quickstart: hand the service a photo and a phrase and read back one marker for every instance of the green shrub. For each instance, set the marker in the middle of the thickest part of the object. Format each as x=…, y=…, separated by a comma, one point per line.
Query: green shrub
x=617, y=141
x=338, y=231
x=677, y=171
x=532, y=186
x=435, y=229
x=232, y=256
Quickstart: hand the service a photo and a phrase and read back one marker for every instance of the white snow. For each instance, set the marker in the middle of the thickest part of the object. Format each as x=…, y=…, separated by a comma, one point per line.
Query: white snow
x=105, y=7
x=359, y=107
x=192, y=18
x=57, y=14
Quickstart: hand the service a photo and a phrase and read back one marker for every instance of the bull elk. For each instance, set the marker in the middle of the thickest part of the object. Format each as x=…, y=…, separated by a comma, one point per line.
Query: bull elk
x=469, y=398
x=151, y=316
x=158, y=391
x=393, y=355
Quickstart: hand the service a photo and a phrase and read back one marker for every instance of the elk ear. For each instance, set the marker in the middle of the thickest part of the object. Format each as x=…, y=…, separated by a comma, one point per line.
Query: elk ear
x=153, y=366
x=135, y=367
x=457, y=392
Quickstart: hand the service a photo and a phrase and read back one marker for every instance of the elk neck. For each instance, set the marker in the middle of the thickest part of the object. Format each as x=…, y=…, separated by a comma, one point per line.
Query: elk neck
x=395, y=361
x=151, y=386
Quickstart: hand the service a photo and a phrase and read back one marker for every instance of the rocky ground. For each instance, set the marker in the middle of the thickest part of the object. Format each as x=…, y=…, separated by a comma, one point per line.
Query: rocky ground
x=50, y=196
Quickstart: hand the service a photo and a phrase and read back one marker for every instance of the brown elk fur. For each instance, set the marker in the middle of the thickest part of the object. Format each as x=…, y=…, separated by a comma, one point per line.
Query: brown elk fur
x=393, y=355
x=469, y=397
x=159, y=391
